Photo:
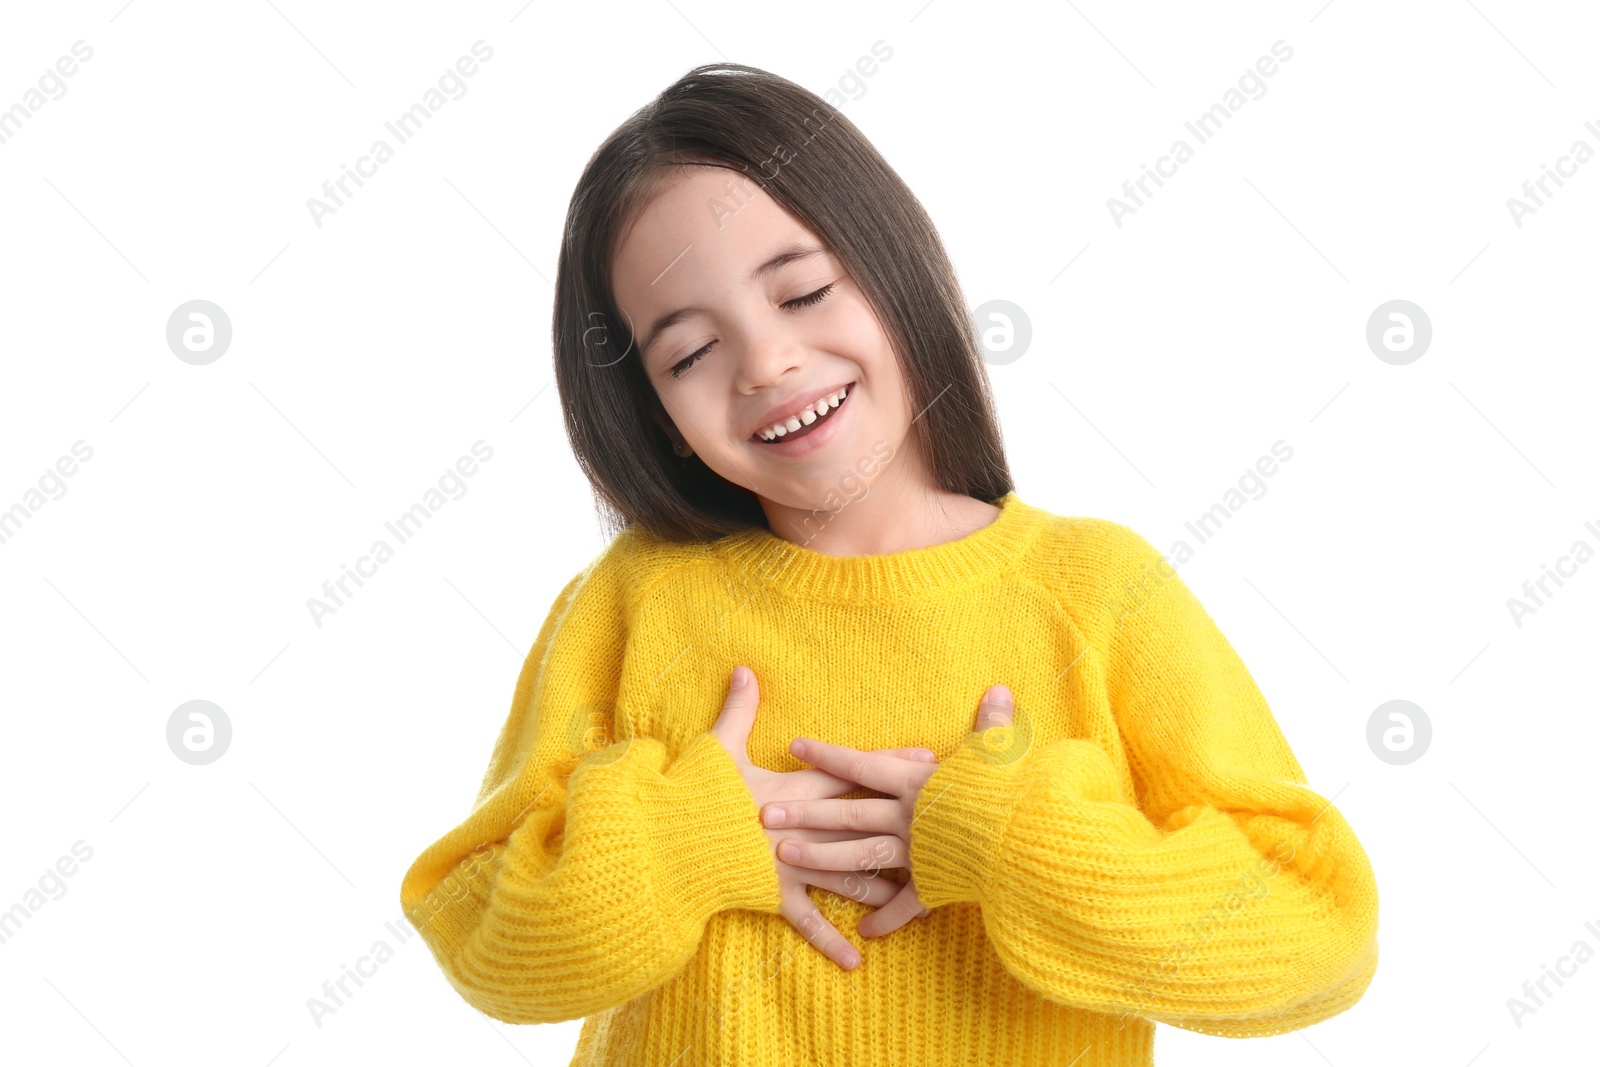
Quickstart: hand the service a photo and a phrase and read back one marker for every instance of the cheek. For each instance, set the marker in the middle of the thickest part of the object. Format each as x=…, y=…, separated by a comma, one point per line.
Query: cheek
x=855, y=331
x=699, y=404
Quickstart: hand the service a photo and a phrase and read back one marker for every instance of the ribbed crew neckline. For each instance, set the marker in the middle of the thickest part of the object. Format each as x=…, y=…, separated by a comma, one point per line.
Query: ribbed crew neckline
x=791, y=569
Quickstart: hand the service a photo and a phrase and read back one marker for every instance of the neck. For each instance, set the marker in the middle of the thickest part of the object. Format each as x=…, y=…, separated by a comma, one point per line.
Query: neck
x=898, y=511
x=766, y=563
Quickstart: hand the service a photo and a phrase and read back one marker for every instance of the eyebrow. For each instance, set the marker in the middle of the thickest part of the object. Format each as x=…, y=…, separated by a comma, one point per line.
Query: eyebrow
x=784, y=256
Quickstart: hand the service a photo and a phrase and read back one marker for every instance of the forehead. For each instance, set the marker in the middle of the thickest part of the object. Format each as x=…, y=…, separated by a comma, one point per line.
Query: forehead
x=708, y=226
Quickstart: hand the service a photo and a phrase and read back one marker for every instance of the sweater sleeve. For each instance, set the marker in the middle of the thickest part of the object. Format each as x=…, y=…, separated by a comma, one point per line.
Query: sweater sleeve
x=1231, y=900
x=588, y=868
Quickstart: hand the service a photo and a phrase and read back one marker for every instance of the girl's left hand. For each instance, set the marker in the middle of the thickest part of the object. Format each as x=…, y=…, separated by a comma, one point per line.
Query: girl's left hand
x=891, y=816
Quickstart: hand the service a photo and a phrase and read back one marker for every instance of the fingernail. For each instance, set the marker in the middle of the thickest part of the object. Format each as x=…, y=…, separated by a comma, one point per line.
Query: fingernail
x=1000, y=696
x=788, y=853
x=774, y=816
x=741, y=676
x=849, y=958
x=798, y=747
x=927, y=755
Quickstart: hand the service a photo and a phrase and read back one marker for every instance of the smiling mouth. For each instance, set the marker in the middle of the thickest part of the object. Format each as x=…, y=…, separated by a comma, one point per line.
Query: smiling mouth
x=806, y=427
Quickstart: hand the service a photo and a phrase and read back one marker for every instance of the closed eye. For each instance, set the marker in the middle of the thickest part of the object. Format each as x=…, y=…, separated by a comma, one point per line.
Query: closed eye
x=810, y=299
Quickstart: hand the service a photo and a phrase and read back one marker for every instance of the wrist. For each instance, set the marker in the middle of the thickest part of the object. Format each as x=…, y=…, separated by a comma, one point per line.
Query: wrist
x=711, y=849
x=960, y=817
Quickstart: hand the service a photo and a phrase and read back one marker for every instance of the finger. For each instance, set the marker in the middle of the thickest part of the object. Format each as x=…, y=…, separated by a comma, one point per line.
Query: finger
x=875, y=770
x=902, y=909
x=922, y=755
x=867, y=814
x=862, y=854
x=860, y=887
x=995, y=708
x=738, y=714
x=815, y=835
x=811, y=784
x=796, y=906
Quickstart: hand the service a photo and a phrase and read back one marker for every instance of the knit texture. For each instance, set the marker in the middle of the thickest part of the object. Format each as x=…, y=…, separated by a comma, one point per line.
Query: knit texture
x=1139, y=846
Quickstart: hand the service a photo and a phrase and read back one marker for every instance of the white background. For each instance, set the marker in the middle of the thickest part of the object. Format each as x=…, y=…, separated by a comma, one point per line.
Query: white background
x=369, y=354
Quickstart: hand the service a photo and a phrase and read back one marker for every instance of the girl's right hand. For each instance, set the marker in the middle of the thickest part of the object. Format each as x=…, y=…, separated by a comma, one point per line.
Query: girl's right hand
x=732, y=730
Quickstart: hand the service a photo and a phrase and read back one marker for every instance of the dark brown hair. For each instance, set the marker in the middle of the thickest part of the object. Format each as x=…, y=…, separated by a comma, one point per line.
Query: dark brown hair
x=820, y=168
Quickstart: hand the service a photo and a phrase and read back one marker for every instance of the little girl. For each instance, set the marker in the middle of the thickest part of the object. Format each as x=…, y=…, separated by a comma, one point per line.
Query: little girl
x=840, y=753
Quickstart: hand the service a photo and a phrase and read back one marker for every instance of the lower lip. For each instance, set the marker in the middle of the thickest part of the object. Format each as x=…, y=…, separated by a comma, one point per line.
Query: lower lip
x=789, y=445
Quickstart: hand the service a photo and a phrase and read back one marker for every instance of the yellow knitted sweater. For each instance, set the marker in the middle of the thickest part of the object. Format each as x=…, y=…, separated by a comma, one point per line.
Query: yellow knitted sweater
x=1139, y=846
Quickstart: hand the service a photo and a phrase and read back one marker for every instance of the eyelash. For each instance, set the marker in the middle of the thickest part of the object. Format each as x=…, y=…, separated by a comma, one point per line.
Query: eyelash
x=798, y=302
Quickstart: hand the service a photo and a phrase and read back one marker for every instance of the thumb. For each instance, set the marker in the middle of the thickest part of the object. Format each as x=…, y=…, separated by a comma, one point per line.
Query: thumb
x=732, y=727
x=995, y=708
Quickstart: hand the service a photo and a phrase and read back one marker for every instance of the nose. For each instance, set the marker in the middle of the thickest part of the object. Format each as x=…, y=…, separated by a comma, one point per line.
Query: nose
x=769, y=352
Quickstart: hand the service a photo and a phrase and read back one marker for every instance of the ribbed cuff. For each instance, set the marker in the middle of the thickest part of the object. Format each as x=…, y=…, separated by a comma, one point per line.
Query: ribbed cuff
x=704, y=829
x=961, y=816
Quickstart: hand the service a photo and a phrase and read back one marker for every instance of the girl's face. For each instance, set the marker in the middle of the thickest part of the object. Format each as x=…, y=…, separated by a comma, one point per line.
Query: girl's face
x=742, y=320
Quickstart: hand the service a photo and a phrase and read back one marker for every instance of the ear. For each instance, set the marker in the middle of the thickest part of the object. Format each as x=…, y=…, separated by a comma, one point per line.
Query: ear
x=659, y=415
x=676, y=440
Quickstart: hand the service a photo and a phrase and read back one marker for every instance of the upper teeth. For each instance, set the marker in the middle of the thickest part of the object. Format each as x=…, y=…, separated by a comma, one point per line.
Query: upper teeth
x=806, y=417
